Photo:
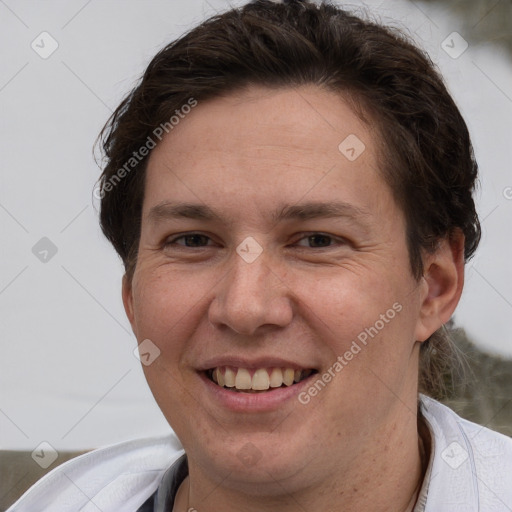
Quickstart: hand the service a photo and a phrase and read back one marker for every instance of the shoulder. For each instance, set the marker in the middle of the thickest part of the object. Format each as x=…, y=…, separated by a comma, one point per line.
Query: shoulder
x=114, y=478
x=471, y=464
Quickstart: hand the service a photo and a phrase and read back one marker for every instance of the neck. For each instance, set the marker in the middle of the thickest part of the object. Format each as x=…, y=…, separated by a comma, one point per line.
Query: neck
x=385, y=477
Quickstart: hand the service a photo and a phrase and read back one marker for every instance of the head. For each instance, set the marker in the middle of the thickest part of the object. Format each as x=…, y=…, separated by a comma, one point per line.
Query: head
x=256, y=111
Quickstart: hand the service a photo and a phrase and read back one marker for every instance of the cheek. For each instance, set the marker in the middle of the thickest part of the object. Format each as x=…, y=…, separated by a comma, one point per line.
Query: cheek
x=166, y=304
x=170, y=392
x=168, y=310
x=349, y=302
x=369, y=320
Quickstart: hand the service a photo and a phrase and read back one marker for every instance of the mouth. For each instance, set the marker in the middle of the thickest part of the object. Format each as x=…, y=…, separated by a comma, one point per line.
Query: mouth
x=260, y=380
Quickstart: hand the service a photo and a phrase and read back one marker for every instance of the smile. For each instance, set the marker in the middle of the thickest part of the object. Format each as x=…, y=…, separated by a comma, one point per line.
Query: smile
x=260, y=380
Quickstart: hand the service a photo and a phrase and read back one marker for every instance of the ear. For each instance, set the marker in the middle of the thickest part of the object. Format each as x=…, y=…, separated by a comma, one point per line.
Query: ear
x=443, y=279
x=128, y=302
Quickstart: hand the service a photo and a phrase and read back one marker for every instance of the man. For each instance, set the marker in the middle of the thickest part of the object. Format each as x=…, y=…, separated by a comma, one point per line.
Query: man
x=290, y=190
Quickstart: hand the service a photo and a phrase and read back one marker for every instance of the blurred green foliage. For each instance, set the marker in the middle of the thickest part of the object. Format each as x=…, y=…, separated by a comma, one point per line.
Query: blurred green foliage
x=479, y=388
x=483, y=21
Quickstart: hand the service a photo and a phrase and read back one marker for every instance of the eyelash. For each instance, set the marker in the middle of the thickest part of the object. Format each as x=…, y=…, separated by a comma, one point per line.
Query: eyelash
x=333, y=239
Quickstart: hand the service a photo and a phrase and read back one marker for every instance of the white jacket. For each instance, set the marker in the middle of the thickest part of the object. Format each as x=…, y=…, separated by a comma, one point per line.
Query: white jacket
x=470, y=470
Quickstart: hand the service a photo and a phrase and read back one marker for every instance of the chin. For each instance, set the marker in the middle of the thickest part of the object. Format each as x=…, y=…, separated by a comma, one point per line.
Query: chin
x=256, y=464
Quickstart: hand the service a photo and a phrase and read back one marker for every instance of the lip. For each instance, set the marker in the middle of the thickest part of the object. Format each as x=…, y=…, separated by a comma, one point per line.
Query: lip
x=253, y=364
x=269, y=401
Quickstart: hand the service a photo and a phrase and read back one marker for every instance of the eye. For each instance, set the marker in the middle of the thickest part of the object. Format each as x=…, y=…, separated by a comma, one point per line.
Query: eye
x=317, y=240
x=189, y=240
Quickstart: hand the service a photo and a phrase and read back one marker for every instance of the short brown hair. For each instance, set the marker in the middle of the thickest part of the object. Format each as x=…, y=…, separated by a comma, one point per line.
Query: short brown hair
x=428, y=158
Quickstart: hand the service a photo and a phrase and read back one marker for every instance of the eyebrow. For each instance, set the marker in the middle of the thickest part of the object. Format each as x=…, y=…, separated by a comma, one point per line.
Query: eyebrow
x=316, y=210
x=305, y=211
x=170, y=210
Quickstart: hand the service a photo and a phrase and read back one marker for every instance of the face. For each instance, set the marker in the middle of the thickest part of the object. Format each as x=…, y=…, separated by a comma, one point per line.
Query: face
x=268, y=252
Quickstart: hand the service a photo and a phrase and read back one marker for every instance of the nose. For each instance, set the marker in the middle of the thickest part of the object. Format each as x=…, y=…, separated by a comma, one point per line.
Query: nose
x=251, y=298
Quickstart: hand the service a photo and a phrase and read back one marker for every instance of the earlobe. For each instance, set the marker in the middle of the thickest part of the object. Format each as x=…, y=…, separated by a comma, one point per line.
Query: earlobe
x=443, y=280
x=128, y=301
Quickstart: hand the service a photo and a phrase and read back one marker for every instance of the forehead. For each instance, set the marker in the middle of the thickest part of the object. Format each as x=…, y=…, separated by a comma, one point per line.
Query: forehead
x=261, y=146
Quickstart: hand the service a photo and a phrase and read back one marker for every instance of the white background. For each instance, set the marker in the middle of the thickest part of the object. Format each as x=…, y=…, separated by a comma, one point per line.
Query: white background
x=67, y=370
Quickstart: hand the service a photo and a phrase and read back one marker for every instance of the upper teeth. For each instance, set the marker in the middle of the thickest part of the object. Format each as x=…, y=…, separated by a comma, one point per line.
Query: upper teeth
x=261, y=379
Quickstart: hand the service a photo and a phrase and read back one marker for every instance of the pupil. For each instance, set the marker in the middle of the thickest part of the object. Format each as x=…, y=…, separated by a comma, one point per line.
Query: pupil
x=194, y=240
x=319, y=240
